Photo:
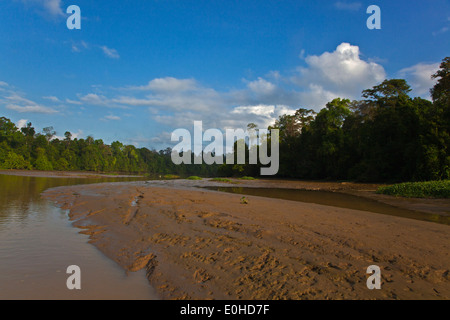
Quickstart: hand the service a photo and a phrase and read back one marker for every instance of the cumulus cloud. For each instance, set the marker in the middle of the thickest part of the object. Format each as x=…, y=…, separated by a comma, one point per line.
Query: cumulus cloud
x=51, y=7
x=419, y=77
x=262, y=86
x=177, y=102
x=21, y=123
x=264, y=115
x=341, y=72
x=16, y=102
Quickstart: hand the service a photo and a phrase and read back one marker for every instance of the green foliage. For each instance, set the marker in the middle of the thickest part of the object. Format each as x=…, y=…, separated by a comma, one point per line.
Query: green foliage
x=247, y=178
x=194, y=178
x=171, y=176
x=21, y=148
x=15, y=161
x=429, y=189
x=43, y=164
x=222, y=180
x=386, y=136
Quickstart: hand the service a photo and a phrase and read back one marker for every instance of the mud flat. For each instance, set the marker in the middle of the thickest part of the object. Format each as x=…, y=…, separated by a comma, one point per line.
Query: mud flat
x=201, y=244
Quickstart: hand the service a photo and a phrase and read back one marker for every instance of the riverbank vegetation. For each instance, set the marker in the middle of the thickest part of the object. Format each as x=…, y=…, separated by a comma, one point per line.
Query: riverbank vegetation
x=27, y=149
x=428, y=189
x=387, y=136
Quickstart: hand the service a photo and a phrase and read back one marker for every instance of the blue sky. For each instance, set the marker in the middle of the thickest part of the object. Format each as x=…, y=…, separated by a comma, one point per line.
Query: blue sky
x=137, y=70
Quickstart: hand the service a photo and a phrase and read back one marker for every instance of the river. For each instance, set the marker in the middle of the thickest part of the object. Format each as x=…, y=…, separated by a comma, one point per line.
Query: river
x=38, y=244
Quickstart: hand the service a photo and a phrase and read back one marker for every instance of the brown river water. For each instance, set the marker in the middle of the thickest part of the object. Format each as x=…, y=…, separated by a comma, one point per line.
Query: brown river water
x=336, y=199
x=38, y=243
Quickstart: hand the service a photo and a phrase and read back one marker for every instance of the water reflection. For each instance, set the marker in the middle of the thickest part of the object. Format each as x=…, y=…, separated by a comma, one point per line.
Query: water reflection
x=38, y=243
x=335, y=199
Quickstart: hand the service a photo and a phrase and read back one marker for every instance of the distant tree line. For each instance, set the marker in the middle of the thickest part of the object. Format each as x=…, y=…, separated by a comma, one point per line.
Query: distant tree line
x=386, y=136
x=26, y=149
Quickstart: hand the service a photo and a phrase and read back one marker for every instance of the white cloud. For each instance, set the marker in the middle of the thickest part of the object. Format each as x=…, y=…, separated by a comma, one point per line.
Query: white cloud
x=73, y=102
x=162, y=139
x=175, y=95
x=177, y=102
x=52, y=98
x=262, y=86
x=316, y=97
x=76, y=135
x=132, y=101
x=169, y=84
x=14, y=101
x=54, y=7
x=31, y=109
x=111, y=117
x=261, y=110
x=3, y=84
x=110, y=53
x=419, y=77
x=170, y=100
x=51, y=7
x=341, y=73
x=94, y=99
x=21, y=123
x=263, y=115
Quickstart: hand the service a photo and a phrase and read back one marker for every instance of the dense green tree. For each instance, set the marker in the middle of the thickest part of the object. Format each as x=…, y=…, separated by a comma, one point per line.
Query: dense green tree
x=386, y=136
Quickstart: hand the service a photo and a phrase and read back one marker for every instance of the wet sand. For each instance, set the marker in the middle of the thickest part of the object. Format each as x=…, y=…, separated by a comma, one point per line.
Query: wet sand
x=200, y=244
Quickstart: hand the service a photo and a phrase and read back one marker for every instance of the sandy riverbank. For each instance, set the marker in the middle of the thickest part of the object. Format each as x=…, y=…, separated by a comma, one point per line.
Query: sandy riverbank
x=199, y=244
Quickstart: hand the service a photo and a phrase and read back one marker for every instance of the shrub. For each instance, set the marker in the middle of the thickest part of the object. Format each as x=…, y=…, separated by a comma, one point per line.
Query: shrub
x=15, y=161
x=194, y=178
x=429, y=189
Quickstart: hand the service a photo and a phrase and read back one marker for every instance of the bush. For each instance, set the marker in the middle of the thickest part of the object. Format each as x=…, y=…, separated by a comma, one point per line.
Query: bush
x=43, y=164
x=247, y=178
x=224, y=180
x=194, y=178
x=62, y=165
x=429, y=189
x=15, y=161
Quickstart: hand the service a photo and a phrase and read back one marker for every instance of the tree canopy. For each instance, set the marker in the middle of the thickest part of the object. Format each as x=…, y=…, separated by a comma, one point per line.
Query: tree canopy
x=386, y=136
